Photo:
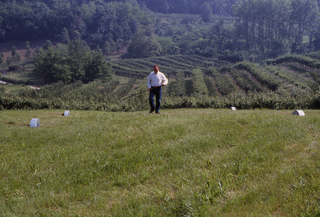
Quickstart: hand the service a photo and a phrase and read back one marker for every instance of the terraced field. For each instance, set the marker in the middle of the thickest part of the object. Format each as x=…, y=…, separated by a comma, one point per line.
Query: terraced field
x=140, y=68
x=222, y=78
x=202, y=82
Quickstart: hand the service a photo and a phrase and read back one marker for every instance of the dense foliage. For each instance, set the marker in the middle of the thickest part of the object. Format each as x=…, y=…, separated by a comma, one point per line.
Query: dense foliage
x=277, y=25
x=107, y=24
x=71, y=63
x=266, y=26
x=95, y=99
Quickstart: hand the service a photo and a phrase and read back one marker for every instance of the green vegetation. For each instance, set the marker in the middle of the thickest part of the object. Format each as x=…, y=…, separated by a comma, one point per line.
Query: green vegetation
x=224, y=82
x=107, y=97
x=70, y=64
x=225, y=29
x=172, y=64
x=296, y=79
x=22, y=78
x=198, y=84
x=244, y=85
x=244, y=80
x=184, y=162
x=264, y=78
x=12, y=89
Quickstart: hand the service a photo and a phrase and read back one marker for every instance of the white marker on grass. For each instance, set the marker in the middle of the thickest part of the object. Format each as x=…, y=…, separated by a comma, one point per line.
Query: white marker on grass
x=233, y=108
x=298, y=112
x=35, y=122
x=66, y=113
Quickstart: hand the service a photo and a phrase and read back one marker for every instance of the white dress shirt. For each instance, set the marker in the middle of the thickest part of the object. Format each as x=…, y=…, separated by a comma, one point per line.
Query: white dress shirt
x=156, y=80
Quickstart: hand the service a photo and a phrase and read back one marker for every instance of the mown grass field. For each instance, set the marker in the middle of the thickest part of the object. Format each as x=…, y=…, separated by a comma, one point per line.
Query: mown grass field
x=180, y=163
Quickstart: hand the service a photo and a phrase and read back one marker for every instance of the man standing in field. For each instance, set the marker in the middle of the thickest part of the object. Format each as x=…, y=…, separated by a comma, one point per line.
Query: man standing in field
x=156, y=80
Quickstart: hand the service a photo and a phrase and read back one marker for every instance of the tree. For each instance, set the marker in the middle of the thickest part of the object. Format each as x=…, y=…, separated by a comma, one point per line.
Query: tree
x=75, y=63
x=206, y=12
x=77, y=59
x=65, y=35
x=167, y=45
x=97, y=68
x=119, y=44
x=9, y=60
x=36, y=52
x=76, y=35
x=98, y=49
x=47, y=45
x=303, y=12
x=16, y=58
x=1, y=57
x=186, y=40
x=106, y=48
x=143, y=46
x=28, y=52
x=265, y=23
x=13, y=51
x=217, y=36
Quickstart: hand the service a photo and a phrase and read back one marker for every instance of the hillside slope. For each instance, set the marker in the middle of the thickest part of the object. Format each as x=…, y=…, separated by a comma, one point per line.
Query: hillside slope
x=194, y=81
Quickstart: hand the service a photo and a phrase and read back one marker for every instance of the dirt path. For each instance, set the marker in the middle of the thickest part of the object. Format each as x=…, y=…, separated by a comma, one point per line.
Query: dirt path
x=31, y=86
x=34, y=87
x=3, y=82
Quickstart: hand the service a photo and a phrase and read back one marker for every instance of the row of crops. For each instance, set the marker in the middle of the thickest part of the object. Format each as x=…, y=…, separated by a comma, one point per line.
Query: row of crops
x=99, y=101
x=221, y=78
x=245, y=78
x=192, y=81
x=171, y=65
x=241, y=78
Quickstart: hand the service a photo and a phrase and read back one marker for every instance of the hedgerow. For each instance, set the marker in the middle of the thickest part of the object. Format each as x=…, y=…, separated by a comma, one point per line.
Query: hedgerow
x=304, y=60
x=108, y=101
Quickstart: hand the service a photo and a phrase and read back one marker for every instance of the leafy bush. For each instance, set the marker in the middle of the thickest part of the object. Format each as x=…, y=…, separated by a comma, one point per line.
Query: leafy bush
x=77, y=63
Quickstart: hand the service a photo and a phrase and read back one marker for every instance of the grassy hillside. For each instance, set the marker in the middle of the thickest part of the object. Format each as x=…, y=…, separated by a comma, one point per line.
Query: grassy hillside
x=181, y=163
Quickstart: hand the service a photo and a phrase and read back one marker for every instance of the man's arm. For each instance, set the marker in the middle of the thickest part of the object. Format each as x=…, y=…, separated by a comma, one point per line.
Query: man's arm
x=149, y=82
x=164, y=80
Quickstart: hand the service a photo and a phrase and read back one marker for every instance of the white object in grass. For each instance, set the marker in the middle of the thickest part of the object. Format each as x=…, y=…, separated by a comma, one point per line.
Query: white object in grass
x=66, y=113
x=35, y=122
x=298, y=112
x=233, y=108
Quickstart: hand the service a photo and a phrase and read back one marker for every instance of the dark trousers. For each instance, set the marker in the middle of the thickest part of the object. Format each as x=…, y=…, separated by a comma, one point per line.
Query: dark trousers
x=155, y=92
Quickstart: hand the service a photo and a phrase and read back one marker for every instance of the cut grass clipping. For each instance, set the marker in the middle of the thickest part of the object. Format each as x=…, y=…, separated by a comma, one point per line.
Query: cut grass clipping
x=181, y=163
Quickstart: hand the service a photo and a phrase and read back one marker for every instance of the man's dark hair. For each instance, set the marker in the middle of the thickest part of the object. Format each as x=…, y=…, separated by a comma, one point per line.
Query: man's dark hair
x=156, y=66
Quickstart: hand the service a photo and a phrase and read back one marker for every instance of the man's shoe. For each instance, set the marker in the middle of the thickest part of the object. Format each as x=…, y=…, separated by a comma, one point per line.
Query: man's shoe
x=158, y=113
x=152, y=110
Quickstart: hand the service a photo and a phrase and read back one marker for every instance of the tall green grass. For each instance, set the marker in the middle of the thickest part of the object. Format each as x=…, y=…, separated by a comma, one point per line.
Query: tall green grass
x=180, y=163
